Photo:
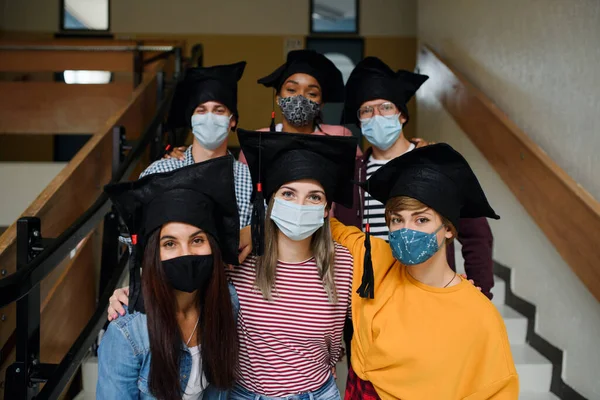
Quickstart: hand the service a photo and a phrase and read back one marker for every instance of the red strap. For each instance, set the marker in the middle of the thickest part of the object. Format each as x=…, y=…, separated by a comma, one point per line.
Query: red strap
x=259, y=187
x=134, y=239
x=367, y=228
x=168, y=147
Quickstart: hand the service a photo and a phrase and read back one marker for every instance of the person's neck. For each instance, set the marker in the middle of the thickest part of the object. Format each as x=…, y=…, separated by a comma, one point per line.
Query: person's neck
x=187, y=305
x=287, y=127
x=201, y=154
x=292, y=251
x=400, y=147
x=434, y=272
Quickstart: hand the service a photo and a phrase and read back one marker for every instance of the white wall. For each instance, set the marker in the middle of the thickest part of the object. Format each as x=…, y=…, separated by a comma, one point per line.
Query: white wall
x=539, y=61
x=21, y=184
x=228, y=17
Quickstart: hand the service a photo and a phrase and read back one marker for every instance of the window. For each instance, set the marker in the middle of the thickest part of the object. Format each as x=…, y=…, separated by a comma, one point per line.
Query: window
x=85, y=15
x=334, y=16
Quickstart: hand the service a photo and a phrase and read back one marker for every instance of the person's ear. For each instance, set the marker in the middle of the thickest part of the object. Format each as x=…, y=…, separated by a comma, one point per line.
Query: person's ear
x=448, y=234
x=403, y=119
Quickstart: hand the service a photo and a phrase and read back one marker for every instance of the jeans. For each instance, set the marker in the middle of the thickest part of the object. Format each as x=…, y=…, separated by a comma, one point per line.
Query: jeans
x=328, y=391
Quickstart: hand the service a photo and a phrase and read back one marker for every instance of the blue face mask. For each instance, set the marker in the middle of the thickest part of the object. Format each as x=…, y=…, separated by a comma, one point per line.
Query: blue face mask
x=412, y=247
x=382, y=132
x=210, y=129
x=297, y=221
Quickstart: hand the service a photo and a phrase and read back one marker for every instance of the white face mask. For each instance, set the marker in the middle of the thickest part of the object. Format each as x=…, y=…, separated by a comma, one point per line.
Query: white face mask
x=210, y=129
x=297, y=221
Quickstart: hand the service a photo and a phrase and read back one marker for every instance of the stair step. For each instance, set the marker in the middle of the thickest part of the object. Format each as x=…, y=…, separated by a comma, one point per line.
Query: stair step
x=516, y=324
x=535, y=371
x=499, y=291
x=538, y=396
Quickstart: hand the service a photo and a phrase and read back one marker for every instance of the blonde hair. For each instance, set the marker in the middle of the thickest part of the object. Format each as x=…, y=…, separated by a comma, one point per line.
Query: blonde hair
x=404, y=203
x=323, y=250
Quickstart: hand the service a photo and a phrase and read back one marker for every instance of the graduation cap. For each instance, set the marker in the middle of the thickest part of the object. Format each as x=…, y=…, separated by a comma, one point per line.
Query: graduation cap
x=314, y=64
x=275, y=158
x=436, y=175
x=202, y=195
x=202, y=84
x=372, y=79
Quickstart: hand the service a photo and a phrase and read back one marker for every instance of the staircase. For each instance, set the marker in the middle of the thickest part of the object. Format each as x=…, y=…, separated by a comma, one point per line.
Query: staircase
x=535, y=371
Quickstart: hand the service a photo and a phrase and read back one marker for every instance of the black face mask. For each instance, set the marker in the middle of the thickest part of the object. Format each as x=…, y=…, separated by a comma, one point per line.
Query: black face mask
x=189, y=273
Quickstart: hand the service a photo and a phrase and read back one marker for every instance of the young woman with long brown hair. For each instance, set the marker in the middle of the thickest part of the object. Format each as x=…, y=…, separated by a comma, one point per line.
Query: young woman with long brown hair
x=181, y=335
x=294, y=296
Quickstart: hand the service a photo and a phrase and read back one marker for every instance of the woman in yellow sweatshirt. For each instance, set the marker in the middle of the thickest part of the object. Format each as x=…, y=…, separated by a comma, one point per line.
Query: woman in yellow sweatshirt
x=421, y=332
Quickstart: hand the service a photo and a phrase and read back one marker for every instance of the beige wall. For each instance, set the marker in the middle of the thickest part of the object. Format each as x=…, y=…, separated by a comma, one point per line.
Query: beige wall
x=227, y=17
x=388, y=18
x=538, y=60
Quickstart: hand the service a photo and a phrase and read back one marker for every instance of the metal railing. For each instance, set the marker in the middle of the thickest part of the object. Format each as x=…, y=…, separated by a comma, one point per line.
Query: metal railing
x=37, y=257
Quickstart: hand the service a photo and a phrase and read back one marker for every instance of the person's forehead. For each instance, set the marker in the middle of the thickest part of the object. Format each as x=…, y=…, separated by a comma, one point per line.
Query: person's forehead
x=375, y=102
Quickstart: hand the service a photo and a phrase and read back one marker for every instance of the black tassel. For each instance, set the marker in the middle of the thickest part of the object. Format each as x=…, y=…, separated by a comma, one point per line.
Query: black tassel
x=258, y=222
x=135, y=280
x=367, y=287
x=272, y=126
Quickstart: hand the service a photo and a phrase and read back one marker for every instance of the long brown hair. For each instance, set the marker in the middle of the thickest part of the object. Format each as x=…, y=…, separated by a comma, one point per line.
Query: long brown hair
x=217, y=332
x=322, y=248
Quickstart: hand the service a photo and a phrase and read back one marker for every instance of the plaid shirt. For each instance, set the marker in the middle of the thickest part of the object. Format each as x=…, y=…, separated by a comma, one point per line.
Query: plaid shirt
x=357, y=389
x=241, y=176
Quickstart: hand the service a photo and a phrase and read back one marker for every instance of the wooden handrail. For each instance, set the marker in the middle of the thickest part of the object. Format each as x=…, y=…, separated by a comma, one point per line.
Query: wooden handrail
x=552, y=198
x=76, y=54
x=73, y=191
x=58, y=108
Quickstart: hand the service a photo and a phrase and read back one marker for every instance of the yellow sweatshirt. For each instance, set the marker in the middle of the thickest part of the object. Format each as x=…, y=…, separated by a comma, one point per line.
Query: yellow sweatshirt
x=417, y=342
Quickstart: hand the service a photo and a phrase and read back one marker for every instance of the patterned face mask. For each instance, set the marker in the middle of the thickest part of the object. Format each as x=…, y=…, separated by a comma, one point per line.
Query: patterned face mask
x=298, y=110
x=412, y=247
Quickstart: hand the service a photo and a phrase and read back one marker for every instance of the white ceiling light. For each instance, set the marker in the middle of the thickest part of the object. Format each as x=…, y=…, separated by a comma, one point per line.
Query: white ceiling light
x=87, y=77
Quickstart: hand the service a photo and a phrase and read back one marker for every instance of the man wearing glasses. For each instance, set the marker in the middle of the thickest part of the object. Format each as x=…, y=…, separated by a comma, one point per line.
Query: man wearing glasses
x=376, y=99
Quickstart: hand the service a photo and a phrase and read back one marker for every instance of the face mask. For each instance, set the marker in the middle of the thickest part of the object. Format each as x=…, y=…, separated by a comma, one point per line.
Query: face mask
x=298, y=110
x=297, y=221
x=211, y=130
x=412, y=247
x=189, y=273
x=380, y=131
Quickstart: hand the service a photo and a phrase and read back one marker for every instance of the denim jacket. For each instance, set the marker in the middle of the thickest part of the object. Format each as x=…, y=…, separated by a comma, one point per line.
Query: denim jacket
x=124, y=359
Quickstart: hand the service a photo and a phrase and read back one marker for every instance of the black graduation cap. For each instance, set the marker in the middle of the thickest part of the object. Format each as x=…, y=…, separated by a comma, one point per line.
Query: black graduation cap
x=275, y=158
x=202, y=195
x=202, y=84
x=372, y=79
x=436, y=175
x=314, y=64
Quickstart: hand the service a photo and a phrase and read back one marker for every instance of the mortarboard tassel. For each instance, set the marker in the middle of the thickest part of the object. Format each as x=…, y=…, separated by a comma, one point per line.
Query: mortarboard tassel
x=258, y=221
x=367, y=287
x=272, y=126
x=135, y=279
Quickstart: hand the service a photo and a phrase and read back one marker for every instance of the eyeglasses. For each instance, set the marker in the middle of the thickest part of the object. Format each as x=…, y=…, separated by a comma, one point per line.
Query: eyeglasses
x=386, y=109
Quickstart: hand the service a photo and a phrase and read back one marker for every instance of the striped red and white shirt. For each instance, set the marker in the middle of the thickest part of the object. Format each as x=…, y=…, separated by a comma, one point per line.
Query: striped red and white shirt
x=289, y=344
